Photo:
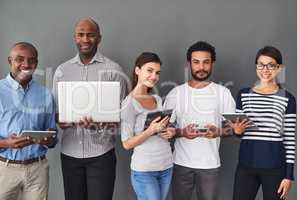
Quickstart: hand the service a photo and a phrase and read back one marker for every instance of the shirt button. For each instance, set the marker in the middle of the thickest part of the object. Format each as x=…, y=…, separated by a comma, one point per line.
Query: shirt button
x=80, y=142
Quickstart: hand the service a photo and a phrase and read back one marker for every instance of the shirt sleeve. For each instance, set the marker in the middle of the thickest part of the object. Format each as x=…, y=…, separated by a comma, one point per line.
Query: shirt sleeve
x=170, y=103
x=120, y=76
x=289, y=131
x=50, y=122
x=229, y=103
x=57, y=75
x=128, y=119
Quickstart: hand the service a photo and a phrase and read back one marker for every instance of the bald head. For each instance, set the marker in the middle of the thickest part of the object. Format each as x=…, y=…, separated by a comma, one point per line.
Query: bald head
x=87, y=38
x=21, y=46
x=88, y=22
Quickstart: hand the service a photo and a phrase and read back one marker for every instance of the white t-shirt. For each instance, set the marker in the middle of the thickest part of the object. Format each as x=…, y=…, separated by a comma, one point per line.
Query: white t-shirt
x=154, y=154
x=200, y=106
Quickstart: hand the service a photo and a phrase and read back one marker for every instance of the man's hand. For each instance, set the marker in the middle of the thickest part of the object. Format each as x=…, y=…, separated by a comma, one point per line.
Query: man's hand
x=65, y=125
x=212, y=132
x=189, y=131
x=88, y=123
x=17, y=142
x=47, y=141
x=284, y=188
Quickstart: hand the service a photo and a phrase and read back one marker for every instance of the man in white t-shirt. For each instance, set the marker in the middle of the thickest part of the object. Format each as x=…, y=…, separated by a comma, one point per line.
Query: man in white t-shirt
x=198, y=105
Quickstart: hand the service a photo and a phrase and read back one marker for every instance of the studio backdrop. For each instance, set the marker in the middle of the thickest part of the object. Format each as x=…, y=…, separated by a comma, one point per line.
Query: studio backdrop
x=237, y=28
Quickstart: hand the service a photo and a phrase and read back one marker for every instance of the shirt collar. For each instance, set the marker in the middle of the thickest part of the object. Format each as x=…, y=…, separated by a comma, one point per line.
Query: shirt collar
x=16, y=85
x=98, y=57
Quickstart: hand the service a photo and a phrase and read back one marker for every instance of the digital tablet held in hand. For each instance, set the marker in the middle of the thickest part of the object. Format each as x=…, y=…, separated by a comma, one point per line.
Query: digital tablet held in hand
x=37, y=135
x=233, y=116
x=153, y=115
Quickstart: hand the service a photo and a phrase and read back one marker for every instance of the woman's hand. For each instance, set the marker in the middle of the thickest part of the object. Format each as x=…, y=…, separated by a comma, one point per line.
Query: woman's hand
x=158, y=125
x=239, y=127
x=168, y=133
x=284, y=188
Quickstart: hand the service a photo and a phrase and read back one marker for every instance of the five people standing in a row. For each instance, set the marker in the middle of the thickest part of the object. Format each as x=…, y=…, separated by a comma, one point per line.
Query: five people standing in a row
x=267, y=149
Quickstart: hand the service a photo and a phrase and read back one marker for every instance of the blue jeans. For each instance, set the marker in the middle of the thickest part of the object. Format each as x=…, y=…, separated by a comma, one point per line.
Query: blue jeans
x=151, y=185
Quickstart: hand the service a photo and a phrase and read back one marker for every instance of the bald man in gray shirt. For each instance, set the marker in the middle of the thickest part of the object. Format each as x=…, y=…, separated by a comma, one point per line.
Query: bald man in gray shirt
x=88, y=157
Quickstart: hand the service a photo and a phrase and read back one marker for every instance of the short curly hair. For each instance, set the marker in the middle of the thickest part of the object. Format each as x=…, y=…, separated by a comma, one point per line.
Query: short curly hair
x=201, y=46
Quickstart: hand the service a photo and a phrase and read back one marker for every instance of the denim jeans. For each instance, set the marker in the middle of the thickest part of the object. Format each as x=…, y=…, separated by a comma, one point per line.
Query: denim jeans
x=151, y=185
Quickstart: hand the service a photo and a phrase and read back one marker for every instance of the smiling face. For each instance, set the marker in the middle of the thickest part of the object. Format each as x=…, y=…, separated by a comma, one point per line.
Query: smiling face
x=267, y=69
x=23, y=62
x=201, y=65
x=148, y=74
x=87, y=37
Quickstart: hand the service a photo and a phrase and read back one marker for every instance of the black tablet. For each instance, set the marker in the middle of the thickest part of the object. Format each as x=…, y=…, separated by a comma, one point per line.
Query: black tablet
x=233, y=116
x=153, y=115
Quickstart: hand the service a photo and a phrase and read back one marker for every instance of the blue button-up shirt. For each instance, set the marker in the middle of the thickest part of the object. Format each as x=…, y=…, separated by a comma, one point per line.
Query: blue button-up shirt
x=30, y=108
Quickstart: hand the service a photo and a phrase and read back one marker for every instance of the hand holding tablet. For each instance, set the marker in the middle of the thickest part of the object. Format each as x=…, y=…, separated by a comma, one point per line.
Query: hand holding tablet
x=239, y=122
x=153, y=115
x=37, y=136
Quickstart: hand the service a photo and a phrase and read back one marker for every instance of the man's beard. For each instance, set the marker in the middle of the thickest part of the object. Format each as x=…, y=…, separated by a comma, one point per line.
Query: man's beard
x=203, y=78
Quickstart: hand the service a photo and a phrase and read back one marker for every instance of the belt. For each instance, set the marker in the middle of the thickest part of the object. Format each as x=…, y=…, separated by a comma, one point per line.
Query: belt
x=22, y=162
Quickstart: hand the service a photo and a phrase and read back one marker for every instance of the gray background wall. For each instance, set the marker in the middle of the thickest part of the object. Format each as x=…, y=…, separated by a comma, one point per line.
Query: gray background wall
x=237, y=28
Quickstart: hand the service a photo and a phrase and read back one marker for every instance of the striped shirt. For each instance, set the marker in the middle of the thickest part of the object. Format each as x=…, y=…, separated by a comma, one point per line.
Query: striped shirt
x=271, y=143
x=76, y=141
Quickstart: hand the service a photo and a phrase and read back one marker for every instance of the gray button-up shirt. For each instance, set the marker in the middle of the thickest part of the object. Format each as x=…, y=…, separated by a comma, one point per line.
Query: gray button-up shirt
x=79, y=142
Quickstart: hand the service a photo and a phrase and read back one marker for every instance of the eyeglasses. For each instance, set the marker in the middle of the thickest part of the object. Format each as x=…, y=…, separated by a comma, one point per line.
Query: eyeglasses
x=21, y=59
x=268, y=66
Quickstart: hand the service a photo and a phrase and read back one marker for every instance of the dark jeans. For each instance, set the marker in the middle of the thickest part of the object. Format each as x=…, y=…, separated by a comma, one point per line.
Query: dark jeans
x=248, y=180
x=89, y=178
x=185, y=179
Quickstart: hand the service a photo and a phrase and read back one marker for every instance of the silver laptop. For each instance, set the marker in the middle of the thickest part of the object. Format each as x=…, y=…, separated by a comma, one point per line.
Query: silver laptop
x=99, y=100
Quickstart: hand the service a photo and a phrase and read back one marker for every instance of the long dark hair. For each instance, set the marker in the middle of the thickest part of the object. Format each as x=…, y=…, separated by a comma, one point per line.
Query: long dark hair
x=142, y=59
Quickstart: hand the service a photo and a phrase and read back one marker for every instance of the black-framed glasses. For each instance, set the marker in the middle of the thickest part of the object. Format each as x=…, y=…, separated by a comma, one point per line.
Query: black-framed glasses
x=269, y=66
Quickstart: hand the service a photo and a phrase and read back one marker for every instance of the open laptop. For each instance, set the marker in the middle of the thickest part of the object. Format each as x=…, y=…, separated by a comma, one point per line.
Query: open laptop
x=97, y=99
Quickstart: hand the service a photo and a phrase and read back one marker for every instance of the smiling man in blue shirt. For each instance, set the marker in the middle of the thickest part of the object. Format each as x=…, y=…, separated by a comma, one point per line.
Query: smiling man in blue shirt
x=24, y=105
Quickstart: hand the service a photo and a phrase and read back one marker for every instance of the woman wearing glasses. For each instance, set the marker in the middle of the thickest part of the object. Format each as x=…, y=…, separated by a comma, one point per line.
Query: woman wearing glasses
x=267, y=149
x=151, y=162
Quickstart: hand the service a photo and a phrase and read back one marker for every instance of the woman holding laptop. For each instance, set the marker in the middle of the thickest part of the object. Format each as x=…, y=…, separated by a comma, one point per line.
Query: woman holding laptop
x=151, y=162
x=267, y=149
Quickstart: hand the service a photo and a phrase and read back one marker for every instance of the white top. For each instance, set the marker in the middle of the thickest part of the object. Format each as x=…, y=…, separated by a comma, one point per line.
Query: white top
x=154, y=154
x=200, y=106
